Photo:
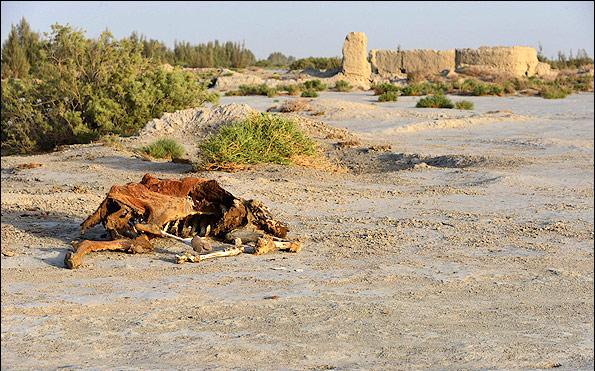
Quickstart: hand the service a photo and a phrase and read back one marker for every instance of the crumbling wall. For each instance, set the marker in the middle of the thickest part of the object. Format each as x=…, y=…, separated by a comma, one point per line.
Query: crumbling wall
x=397, y=63
x=427, y=61
x=515, y=60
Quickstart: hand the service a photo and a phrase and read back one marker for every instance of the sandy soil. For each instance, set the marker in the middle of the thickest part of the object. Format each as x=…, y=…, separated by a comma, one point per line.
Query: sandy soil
x=467, y=245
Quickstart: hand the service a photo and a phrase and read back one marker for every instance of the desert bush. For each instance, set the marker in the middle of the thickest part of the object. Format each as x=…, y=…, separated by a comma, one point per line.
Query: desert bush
x=272, y=92
x=384, y=87
x=435, y=101
x=389, y=96
x=343, y=86
x=75, y=99
x=293, y=89
x=316, y=85
x=164, y=148
x=261, y=89
x=464, y=104
x=309, y=93
x=480, y=88
x=260, y=138
x=554, y=92
x=424, y=88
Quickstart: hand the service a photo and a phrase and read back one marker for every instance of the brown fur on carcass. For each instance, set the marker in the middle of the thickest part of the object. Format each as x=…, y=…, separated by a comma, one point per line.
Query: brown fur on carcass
x=135, y=212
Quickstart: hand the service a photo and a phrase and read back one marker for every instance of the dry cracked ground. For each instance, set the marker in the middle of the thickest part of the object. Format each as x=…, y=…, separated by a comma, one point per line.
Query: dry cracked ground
x=467, y=245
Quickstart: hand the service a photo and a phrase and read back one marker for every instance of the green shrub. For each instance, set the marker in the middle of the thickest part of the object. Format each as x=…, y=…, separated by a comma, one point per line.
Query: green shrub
x=260, y=138
x=554, y=92
x=435, y=101
x=384, y=87
x=424, y=88
x=293, y=89
x=480, y=88
x=343, y=86
x=464, y=104
x=164, y=148
x=309, y=94
x=389, y=96
x=316, y=85
x=272, y=92
x=261, y=89
x=75, y=99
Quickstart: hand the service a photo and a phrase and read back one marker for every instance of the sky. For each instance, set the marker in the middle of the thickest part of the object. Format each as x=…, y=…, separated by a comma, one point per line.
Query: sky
x=305, y=29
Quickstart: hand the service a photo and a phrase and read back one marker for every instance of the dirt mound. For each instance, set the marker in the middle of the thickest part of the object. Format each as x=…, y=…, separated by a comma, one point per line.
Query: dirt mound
x=195, y=121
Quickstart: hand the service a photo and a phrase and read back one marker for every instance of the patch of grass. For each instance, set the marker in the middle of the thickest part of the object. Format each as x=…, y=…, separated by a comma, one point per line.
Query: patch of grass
x=464, y=104
x=343, y=86
x=260, y=89
x=389, y=96
x=309, y=94
x=554, y=92
x=164, y=148
x=260, y=138
x=435, y=101
x=384, y=87
x=315, y=85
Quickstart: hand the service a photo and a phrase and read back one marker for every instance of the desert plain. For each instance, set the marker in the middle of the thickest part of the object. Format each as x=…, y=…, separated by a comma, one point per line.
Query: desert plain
x=454, y=240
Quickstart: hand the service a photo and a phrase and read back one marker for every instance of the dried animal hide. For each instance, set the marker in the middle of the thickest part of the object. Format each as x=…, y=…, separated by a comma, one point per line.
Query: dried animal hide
x=186, y=208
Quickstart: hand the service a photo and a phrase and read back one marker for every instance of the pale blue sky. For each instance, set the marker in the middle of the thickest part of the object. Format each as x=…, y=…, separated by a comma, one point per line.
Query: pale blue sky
x=318, y=28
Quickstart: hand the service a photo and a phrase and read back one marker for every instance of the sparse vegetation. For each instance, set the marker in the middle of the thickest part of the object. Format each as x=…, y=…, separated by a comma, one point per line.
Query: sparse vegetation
x=164, y=148
x=309, y=93
x=554, y=92
x=261, y=138
x=424, y=88
x=343, y=86
x=389, y=96
x=563, y=62
x=435, y=101
x=464, y=104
